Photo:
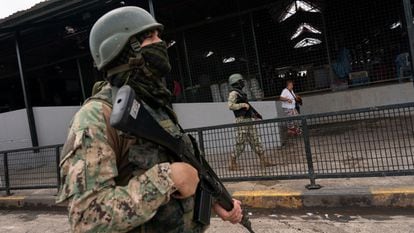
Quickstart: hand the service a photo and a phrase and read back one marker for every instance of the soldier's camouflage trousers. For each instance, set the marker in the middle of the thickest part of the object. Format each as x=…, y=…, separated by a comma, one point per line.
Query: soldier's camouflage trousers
x=247, y=134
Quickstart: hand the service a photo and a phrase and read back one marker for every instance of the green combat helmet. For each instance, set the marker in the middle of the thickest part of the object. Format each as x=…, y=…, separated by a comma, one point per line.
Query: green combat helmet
x=235, y=78
x=111, y=32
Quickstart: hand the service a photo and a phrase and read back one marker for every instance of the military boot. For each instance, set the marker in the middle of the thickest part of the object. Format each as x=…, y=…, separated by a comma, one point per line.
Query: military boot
x=233, y=165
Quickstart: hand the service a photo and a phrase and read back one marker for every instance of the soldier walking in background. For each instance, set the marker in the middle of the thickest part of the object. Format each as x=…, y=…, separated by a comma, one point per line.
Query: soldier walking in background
x=244, y=112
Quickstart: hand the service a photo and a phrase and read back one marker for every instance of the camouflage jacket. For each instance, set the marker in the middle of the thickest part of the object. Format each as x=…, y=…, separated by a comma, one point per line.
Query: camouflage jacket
x=117, y=184
x=232, y=101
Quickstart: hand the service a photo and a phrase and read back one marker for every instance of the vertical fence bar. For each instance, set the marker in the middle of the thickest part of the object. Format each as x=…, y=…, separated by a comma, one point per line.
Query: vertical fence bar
x=57, y=151
x=6, y=174
x=309, y=160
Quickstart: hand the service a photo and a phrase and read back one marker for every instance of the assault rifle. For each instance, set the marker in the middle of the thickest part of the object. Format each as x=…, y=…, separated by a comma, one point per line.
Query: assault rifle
x=131, y=117
x=251, y=112
x=255, y=113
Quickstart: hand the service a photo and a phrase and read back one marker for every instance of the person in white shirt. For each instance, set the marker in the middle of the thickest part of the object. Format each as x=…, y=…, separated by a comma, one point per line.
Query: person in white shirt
x=289, y=104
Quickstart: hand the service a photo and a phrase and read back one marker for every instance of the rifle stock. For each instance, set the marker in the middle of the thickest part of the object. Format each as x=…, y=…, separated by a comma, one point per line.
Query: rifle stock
x=129, y=116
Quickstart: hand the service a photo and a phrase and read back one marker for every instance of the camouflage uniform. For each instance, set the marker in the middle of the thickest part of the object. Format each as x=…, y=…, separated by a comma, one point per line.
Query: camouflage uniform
x=115, y=183
x=245, y=134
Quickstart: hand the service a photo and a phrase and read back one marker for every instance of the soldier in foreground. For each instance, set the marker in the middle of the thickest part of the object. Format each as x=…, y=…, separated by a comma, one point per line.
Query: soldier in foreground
x=114, y=182
x=244, y=112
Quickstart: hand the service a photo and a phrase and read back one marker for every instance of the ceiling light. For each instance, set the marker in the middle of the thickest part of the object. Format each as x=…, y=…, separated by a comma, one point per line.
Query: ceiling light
x=302, y=28
x=69, y=30
x=302, y=73
x=295, y=7
x=208, y=54
x=307, y=42
x=171, y=43
x=229, y=60
x=395, y=25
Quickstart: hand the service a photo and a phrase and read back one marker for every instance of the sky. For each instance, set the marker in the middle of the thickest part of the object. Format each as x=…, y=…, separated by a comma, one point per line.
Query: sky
x=9, y=7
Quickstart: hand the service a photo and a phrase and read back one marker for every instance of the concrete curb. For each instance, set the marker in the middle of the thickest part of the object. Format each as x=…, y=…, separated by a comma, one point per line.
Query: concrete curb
x=389, y=197
x=30, y=202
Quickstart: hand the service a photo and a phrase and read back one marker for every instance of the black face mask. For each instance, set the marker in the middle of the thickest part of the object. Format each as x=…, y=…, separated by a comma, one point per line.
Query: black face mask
x=242, y=84
x=239, y=85
x=145, y=72
x=156, y=58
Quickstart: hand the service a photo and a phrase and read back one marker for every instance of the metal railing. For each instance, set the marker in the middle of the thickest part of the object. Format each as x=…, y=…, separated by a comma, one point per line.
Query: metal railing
x=356, y=143
x=30, y=168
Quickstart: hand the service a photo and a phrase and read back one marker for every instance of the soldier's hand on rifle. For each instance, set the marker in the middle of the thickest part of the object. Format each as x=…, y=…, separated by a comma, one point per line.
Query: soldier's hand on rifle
x=185, y=178
x=234, y=216
x=258, y=117
x=246, y=106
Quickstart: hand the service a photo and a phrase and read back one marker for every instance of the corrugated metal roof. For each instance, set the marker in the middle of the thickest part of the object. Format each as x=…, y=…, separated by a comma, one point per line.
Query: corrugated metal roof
x=21, y=12
x=34, y=12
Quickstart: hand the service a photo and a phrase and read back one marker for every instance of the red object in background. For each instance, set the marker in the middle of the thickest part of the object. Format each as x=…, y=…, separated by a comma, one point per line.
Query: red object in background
x=177, y=88
x=382, y=72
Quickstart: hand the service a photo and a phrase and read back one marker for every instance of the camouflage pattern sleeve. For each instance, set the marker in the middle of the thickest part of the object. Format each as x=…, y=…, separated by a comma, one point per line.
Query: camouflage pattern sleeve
x=232, y=101
x=88, y=169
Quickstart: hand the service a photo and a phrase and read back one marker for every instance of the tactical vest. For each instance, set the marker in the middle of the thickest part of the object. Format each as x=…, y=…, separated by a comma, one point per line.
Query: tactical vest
x=241, y=98
x=174, y=217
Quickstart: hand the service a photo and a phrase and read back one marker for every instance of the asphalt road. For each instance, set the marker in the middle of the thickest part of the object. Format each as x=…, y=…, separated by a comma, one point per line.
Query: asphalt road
x=335, y=221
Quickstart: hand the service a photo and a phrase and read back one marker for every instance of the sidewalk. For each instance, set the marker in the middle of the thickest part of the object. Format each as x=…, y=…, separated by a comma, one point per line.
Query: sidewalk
x=30, y=199
x=389, y=192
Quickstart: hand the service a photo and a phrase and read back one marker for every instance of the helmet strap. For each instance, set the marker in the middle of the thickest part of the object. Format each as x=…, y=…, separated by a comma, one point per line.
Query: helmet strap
x=135, y=44
x=118, y=69
x=133, y=62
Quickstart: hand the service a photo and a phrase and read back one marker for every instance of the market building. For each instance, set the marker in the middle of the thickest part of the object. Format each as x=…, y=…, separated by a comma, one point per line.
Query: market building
x=346, y=52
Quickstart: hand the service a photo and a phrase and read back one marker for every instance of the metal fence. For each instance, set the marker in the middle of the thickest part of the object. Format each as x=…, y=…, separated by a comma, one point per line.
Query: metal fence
x=356, y=143
x=30, y=168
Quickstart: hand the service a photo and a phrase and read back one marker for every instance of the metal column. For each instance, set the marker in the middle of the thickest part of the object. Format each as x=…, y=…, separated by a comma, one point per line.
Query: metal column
x=29, y=110
x=259, y=66
x=244, y=45
x=187, y=62
x=181, y=72
x=81, y=79
x=410, y=28
x=328, y=54
x=151, y=8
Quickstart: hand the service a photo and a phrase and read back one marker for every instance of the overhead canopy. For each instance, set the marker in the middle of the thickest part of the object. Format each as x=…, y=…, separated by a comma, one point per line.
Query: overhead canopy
x=46, y=12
